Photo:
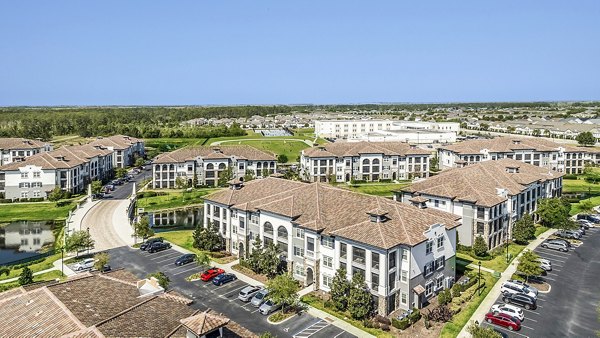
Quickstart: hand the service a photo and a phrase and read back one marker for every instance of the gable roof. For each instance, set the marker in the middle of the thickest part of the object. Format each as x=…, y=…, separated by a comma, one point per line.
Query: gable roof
x=339, y=149
x=61, y=158
x=204, y=323
x=478, y=183
x=8, y=143
x=214, y=152
x=118, y=142
x=507, y=144
x=337, y=212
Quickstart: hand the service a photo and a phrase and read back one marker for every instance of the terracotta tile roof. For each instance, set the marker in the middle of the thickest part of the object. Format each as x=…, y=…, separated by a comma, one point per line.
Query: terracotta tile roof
x=214, y=152
x=478, y=183
x=118, y=142
x=335, y=211
x=90, y=332
x=204, y=323
x=62, y=158
x=20, y=143
x=419, y=199
x=339, y=149
x=507, y=144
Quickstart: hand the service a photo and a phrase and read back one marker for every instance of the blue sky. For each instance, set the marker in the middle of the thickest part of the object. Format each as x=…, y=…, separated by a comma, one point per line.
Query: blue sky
x=289, y=52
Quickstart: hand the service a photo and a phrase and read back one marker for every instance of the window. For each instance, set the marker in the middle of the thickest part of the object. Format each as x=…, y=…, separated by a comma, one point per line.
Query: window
x=405, y=255
x=358, y=255
x=242, y=223
x=374, y=281
x=358, y=271
x=403, y=298
x=299, y=270
x=36, y=174
x=37, y=194
x=24, y=175
x=392, y=280
x=24, y=241
x=343, y=250
x=439, y=282
x=374, y=261
x=440, y=262
x=299, y=233
x=328, y=261
x=392, y=260
x=24, y=194
x=298, y=251
x=36, y=241
x=440, y=242
x=404, y=276
x=429, y=288
x=310, y=244
x=428, y=247
x=327, y=242
x=327, y=281
x=282, y=233
x=268, y=228
x=428, y=268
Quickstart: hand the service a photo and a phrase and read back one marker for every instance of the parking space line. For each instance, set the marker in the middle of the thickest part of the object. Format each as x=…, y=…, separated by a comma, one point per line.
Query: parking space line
x=554, y=252
x=529, y=319
x=552, y=274
x=505, y=330
x=234, y=292
x=528, y=327
x=339, y=334
x=180, y=272
x=531, y=311
x=171, y=256
x=552, y=279
x=228, y=284
x=316, y=327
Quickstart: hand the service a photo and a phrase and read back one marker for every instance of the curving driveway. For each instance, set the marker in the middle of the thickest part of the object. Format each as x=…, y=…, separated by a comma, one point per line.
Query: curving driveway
x=109, y=225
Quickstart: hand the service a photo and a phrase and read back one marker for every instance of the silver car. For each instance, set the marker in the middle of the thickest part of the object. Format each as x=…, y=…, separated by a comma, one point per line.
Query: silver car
x=87, y=263
x=555, y=245
x=248, y=292
x=269, y=307
x=259, y=298
x=545, y=264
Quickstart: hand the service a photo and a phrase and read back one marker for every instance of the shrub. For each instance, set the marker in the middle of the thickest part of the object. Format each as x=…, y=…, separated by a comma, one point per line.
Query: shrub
x=384, y=327
x=328, y=304
x=570, y=177
x=444, y=297
x=383, y=320
x=456, y=289
x=62, y=203
x=480, y=247
x=401, y=324
x=414, y=316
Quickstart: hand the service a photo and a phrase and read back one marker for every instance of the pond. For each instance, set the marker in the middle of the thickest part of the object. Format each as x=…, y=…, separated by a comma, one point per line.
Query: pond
x=181, y=219
x=25, y=239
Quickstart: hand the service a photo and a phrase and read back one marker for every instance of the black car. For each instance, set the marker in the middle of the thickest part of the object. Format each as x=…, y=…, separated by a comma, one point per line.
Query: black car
x=149, y=242
x=521, y=300
x=185, y=259
x=158, y=246
x=591, y=218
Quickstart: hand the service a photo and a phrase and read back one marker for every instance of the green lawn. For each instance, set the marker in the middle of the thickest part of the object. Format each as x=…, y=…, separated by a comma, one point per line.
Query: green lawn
x=453, y=327
x=174, y=199
x=540, y=229
x=498, y=263
x=291, y=149
x=576, y=208
x=42, y=265
x=33, y=211
x=62, y=140
x=377, y=189
x=580, y=186
x=43, y=277
x=183, y=238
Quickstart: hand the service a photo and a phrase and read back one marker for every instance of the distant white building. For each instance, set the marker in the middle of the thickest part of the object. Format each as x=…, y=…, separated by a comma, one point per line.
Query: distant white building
x=388, y=131
x=17, y=149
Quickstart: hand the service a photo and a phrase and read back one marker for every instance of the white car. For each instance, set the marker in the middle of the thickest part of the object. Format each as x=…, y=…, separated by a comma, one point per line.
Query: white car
x=520, y=282
x=85, y=264
x=508, y=309
x=545, y=264
x=508, y=287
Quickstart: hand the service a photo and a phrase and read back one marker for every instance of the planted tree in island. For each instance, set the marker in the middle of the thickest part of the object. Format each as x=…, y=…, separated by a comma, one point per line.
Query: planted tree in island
x=529, y=265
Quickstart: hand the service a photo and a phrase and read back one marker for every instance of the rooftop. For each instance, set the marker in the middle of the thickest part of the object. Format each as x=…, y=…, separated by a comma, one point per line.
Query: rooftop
x=118, y=142
x=507, y=144
x=62, y=158
x=214, y=152
x=338, y=149
x=20, y=143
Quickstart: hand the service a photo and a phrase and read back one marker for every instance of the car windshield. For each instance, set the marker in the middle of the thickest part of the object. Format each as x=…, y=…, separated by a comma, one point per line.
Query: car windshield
x=259, y=295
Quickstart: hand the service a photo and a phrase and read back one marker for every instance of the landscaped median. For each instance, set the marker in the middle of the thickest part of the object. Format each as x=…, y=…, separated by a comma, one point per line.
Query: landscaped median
x=184, y=239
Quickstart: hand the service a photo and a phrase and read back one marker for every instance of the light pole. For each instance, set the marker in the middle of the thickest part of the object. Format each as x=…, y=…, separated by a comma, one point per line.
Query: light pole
x=62, y=260
x=88, y=240
x=479, y=279
x=506, y=244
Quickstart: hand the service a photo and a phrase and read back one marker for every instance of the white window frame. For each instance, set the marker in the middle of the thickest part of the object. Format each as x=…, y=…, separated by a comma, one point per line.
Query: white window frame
x=404, y=276
x=428, y=247
x=427, y=285
x=328, y=261
x=442, y=239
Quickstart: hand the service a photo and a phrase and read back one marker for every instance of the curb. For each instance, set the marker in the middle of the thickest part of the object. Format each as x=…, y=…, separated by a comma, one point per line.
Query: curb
x=549, y=288
x=283, y=321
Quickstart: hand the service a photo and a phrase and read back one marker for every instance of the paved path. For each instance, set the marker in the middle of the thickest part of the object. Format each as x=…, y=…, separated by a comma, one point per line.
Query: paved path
x=307, y=142
x=109, y=224
x=491, y=297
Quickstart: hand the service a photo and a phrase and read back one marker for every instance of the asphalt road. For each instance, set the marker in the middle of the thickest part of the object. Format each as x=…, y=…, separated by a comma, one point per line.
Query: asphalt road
x=222, y=299
x=570, y=308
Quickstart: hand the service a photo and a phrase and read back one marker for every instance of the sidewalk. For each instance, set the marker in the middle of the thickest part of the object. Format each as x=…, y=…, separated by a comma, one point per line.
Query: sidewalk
x=490, y=299
x=311, y=310
x=74, y=223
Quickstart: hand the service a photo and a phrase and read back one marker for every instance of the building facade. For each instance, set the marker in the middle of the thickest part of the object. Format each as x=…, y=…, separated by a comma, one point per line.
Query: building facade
x=17, y=149
x=536, y=151
x=406, y=254
x=489, y=196
x=388, y=130
x=363, y=161
x=207, y=163
x=125, y=149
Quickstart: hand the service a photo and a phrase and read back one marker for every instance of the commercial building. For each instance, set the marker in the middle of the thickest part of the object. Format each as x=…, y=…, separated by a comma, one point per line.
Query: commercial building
x=489, y=196
x=125, y=149
x=17, y=149
x=207, y=164
x=405, y=253
x=364, y=161
x=536, y=151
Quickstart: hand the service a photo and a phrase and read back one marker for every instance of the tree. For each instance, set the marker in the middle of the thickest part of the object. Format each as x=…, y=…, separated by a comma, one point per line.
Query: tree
x=480, y=246
x=96, y=186
x=586, y=138
x=181, y=183
x=212, y=238
x=553, y=212
x=444, y=297
x=524, y=230
x=26, y=276
x=163, y=280
x=58, y=194
x=529, y=265
x=4, y=270
x=478, y=331
x=359, y=301
x=120, y=172
x=255, y=256
x=78, y=241
x=282, y=158
x=139, y=162
x=142, y=229
x=536, y=132
x=195, y=179
x=340, y=289
x=283, y=289
x=586, y=206
x=198, y=236
x=101, y=259
x=249, y=175
x=225, y=176
x=202, y=259
x=265, y=172
x=269, y=260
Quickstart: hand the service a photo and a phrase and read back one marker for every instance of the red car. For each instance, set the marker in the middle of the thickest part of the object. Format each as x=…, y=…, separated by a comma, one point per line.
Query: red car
x=210, y=274
x=504, y=320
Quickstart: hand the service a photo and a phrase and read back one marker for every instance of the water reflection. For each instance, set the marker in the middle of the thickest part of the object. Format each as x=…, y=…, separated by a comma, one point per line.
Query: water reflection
x=24, y=239
x=184, y=218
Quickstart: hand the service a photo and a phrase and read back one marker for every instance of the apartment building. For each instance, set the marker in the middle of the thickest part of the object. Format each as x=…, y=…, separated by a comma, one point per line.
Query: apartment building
x=405, y=253
x=17, y=149
x=490, y=196
x=70, y=168
x=125, y=149
x=364, y=161
x=207, y=164
x=388, y=130
x=536, y=151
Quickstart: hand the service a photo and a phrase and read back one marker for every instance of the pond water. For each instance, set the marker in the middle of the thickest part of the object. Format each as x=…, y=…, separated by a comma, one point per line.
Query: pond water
x=176, y=219
x=24, y=239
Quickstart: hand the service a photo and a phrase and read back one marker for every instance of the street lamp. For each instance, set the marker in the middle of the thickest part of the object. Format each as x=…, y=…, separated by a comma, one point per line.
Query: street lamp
x=479, y=279
x=506, y=244
x=88, y=240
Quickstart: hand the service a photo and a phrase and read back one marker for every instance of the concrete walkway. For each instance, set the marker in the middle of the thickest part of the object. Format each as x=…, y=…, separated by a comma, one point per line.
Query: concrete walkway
x=490, y=299
x=311, y=310
x=483, y=268
x=307, y=142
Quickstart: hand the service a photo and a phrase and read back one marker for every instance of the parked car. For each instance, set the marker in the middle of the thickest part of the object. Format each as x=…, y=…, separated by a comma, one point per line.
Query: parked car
x=507, y=288
x=520, y=282
x=555, y=245
x=511, y=323
x=545, y=264
x=158, y=246
x=211, y=273
x=508, y=309
x=223, y=279
x=569, y=234
x=248, y=292
x=520, y=299
x=584, y=223
x=588, y=217
x=85, y=264
x=185, y=259
x=259, y=298
x=562, y=240
x=146, y=245
x=268, y=307
x=105, y=268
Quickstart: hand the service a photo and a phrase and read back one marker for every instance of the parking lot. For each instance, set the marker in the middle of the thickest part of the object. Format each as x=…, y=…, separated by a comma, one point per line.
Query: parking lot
x=569, y=309
x=219, y=298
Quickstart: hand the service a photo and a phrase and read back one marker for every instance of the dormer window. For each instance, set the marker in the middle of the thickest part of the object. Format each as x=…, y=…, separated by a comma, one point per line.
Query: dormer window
x=378, y=215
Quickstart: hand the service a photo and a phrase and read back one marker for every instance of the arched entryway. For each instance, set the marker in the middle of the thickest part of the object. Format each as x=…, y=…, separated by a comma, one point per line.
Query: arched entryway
x=241, y=252
x=394, y=176
x=309, y=276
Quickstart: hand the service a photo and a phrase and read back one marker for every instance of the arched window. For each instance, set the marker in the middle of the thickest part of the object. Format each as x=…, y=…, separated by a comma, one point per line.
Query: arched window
x=268, y=228
x=171, y=167
x=165, y=167
x=258, y=165
x=375, y=161
x=157, y=167
x=272, y=164
x=265, y=164
x=366, y=161
x=221, y=166
x=210, y=166
x=282, y=233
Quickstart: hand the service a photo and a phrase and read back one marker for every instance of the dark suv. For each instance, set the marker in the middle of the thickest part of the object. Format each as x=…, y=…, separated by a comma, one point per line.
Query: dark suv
x=158, y=246
x=591, y=218
x=520, y=299
x=146, y=245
